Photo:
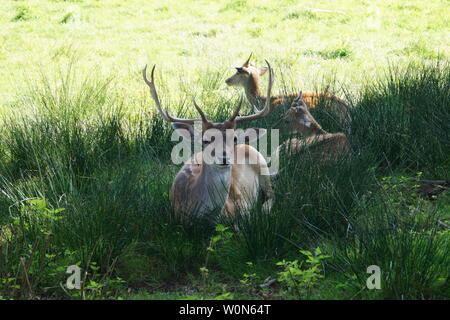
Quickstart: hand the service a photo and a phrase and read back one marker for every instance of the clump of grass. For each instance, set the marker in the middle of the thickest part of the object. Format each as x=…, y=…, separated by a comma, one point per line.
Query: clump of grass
x=398, y=124
x=162, y=9
x=77, y=150
x=405, y=241
x=304, y=14
x=235, y=5
x=338, y=53
x=255, y=32
x=23, y=13
x=76, y=124
x=403, y=118
x=70, y=16
x=408, y=7
x=208, y=34
x=67, y=0
x=421, y=49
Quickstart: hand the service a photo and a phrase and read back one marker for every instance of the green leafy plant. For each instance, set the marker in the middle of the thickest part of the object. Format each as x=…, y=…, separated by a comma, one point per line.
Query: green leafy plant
x=301, y=277
x=222, y=237
x=35, y=214
x=248, y=279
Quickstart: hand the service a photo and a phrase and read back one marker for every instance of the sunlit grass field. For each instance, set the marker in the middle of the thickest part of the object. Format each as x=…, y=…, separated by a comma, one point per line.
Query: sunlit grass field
x=85, y=166
x=305, y=40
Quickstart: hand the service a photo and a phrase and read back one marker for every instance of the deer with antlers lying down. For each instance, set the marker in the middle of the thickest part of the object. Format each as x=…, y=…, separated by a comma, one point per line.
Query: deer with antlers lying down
x=229, y=178
x=318, y=142
x=248, y=75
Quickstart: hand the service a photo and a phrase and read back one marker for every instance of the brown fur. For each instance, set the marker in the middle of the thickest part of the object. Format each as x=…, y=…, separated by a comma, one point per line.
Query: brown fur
x=325, y=147
x=187, y=182
x=248, y=77
x=182, y=186
x=319, y=143
x=236, y=196
x=312, y=100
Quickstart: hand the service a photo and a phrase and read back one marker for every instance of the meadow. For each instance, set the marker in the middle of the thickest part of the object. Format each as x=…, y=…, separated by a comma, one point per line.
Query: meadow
x=85, y=167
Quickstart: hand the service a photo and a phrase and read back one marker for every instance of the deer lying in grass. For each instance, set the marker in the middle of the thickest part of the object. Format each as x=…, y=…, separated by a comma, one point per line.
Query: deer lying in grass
x=247, y=76
x=318, y=142
x=227, y=179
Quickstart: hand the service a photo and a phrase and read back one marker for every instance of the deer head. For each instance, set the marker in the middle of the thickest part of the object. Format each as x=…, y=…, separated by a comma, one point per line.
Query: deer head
x=217, y=136
x=298, y=119
x=246, y=75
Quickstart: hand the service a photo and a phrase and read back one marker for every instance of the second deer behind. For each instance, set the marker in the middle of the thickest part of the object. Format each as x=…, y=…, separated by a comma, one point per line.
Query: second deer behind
x=318, y=142
x=247, y=76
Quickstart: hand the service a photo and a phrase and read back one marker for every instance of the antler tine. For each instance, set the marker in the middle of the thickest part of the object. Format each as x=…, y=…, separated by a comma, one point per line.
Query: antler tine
x=248, y=60
x=166, y=116
x=266, y=110
x=153, y=92
x=200, y=111
x=237, y=109
x=255, y=108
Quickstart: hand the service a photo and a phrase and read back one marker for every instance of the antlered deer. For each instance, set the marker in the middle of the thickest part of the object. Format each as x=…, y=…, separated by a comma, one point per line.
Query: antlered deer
x=227, y=179
x=318, y=142
x=247, y=76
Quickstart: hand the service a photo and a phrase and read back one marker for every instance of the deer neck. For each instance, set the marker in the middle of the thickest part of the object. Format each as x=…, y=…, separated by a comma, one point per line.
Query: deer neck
x=308, y=126
x=252, y=91
x=214, y=183
x=315, y=130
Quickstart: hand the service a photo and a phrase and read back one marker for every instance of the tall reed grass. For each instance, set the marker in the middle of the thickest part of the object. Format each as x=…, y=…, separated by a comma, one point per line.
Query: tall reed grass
x=78, y=148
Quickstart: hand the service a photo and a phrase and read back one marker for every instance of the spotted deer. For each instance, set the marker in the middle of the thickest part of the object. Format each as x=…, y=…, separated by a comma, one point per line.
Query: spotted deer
x=229, y=178
x=248, y=75
x=318, y=142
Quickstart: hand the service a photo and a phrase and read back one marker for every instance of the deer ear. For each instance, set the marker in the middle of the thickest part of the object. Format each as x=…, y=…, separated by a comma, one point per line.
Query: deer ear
x=300, y=94
x=262, y=70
